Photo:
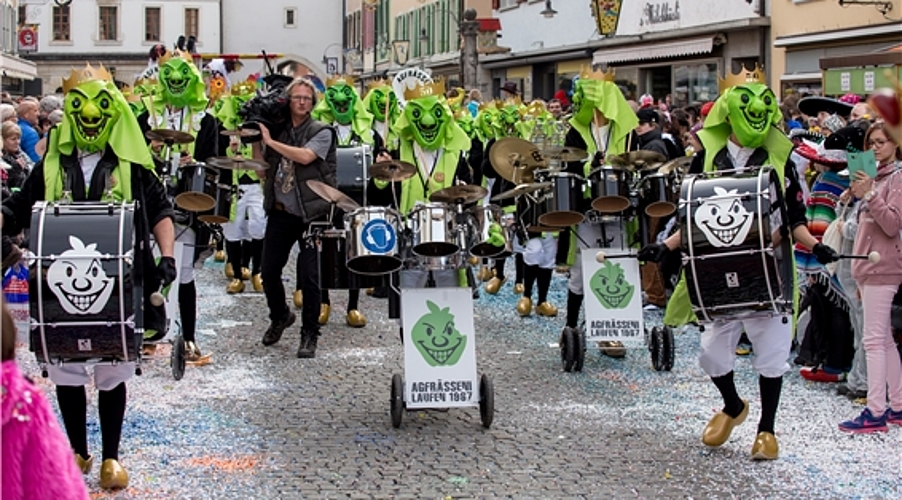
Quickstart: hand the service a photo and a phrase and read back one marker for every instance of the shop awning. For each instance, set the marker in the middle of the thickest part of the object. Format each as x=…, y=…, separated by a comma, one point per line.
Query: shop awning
x=657, y=50
x=801, y=77
x=16, y=67
x=894, y=28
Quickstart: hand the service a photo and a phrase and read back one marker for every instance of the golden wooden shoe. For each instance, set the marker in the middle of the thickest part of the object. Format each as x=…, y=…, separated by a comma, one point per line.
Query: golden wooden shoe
x=356, y=319
x=298, y=299
x=84, y=465
x=245, y=273
x=473, y=260
x=229, y=271
x=485, y=273
x=112, y=475
x=257, y=282
x=612, y=348
x=494, y=285
x=369, y=291
x=518, y=288
x=721, y=425
x=235, y=286
x=546, y=309
x=324, y=311
x=219, y=256
x=765, y=447
x=524, y=306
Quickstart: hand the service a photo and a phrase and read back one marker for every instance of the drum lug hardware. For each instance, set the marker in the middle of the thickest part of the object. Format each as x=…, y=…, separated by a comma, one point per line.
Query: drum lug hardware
x=109, y=209
x=785, y=320
x=701, y=328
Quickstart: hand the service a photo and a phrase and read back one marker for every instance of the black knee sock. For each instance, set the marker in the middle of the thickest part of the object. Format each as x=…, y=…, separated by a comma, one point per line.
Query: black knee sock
x=246, y=254
x=471, y=278
x=353, y=299
x=732, y=404
x=530, y=273
x=499, y=268
x=233, y=249
x=574, y=302
x=220, y=244
x=518, y=268
x=298, y=274
x=74, y=409
x=544, y=280
x=256, y=255
x=188, y=309
x=770, y=399
x=325, y=297
x=111, y=406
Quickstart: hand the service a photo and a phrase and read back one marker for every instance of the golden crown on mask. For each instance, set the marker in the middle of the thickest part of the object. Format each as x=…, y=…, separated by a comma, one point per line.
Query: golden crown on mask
x=587, y=73
x=375, y=84
x=436, y=88
x=176, y=53
x=756, y=75
x=337, y=79
x=86, y=74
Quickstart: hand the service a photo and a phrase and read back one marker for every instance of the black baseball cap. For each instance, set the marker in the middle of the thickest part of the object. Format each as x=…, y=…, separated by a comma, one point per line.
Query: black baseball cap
x=648, y=115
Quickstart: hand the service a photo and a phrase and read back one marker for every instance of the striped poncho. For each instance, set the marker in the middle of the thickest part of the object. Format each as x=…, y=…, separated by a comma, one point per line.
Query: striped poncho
x=821, y=212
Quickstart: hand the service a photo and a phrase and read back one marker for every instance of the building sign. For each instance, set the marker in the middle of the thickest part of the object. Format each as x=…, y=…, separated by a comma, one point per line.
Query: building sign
x=845, y=81
x=28, y=39
x=607, y=14
x=661, y=12
x=400, y=51
x=868, y=81
x=646, y=16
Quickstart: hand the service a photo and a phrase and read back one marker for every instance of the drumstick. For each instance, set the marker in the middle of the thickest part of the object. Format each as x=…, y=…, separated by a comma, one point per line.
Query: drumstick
x=874, y=257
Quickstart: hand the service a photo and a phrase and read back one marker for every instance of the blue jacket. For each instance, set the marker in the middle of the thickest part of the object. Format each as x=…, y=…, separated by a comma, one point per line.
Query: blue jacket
x=29, y=139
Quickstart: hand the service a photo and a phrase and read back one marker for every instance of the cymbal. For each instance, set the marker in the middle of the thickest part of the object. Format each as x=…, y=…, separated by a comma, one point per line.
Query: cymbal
x=467, y=193
x=332, y=195
x=241, y=132
x=521, y=190
x=680, y=164
x=169, y=136
x=392, y=171
x=564, y=153
x=514, y=159
x=237, y=163
x=634, y=157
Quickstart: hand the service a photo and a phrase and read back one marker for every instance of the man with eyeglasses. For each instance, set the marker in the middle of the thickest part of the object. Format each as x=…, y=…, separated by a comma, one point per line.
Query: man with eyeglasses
x=303, y=151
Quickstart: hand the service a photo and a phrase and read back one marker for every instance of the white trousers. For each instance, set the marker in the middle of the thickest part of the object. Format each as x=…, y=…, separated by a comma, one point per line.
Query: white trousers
x=591, y=235
x=541, y=251
x=771, y=340
x=250, y=219
x=106, y=377
x=186, y=236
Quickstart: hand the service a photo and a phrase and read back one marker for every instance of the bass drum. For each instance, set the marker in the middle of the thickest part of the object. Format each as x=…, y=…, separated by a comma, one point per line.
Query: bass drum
x=83, y=296
x=732, y=270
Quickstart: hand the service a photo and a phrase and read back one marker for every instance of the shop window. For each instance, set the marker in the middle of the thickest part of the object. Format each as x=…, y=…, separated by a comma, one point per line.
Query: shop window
x=694, y=83
x=152, y=24
x=192, y=22
x=291, y=16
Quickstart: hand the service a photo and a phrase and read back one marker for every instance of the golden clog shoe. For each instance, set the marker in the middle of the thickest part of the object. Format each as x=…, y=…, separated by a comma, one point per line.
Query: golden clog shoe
x=356, y=319
x=518, y=288
x=494, y=285
x=298, y=298
x=546, y=309
x=235, y=286
x=612, y=348
x=219, y=256
x=229, y=271
x=765, y=447
x=485, y=273
x=324, y=310
x=112, y=475
x=721, y=426
x=369, y=291
x=524, y=306
x=473, y=260
x=257, y=282
x=84, y=465
x=245, y=273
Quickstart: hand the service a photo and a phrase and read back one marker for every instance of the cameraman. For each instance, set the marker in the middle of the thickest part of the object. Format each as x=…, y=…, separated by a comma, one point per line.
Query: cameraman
x=304, y=150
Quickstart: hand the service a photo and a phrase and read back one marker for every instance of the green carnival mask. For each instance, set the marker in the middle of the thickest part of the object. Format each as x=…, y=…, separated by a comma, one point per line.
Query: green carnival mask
x=485, y=122
x=436, y=337
x=341, y=99
x=586, y=97
x=506, y=124
x=377, y=102
x=93, y=112
x=465, y=121
x=429, y=120
x=752, y=110
x=610, y=286
x=177, y=81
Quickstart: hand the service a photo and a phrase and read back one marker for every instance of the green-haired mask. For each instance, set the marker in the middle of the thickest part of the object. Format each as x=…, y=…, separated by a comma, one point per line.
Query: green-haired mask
x=429, y=119
x=752, y=110
x=179, y=79
x=377, y=102
x=437, y=338
x=341, y=99
x=92, y=111
x=585, y=98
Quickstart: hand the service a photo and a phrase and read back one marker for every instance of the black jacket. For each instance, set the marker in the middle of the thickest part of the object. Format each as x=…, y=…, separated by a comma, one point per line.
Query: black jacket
x=652, y=141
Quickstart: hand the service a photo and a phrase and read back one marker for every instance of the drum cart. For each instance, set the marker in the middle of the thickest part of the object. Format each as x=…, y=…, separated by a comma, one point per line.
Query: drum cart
x=173, y=334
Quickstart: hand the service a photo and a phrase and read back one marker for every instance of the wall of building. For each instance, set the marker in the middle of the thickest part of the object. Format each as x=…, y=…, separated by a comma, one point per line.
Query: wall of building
x=8, y=23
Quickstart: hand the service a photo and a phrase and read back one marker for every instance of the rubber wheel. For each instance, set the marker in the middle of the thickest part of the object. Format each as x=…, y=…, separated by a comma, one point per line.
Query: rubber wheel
x=486, y=401
x=668, y=348
x=657, y=348
x=397, y=400
x=580, y=348
x=568, y=349
x=177, y=358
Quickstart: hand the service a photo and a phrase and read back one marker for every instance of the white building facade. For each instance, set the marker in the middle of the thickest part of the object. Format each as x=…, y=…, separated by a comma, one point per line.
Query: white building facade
x=14, y=71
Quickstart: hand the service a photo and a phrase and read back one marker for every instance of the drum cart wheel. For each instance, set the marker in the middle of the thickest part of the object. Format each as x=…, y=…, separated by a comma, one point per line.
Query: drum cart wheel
x=567, y=345
x=397, y=400
x=662, y=348
x=486, y=400
x=580, y=354
x=177, y=358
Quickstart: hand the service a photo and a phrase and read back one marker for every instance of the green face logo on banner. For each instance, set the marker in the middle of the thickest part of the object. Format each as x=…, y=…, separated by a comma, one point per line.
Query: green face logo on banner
x=610, y=286
x=437, y=338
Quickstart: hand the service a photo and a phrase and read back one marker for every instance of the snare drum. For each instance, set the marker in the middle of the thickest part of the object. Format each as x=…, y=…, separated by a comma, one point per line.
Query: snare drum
x=373, y=247
x=352, y=166
x=731, y=268
x=610, y=189
x=562, y=209
x=485, y=222
x=82, y=297
x=221, y=212
x=196, y=186
x=657, y=194
x=332, y=253
x=434, y=229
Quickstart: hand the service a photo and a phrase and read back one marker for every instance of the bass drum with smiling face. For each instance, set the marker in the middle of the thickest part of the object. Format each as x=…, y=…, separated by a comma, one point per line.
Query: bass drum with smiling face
x=728, y=225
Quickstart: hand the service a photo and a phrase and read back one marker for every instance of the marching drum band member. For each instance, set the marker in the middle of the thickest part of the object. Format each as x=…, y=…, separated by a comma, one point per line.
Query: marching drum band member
x=98, y=154
x=180, y=104
x=741, y=132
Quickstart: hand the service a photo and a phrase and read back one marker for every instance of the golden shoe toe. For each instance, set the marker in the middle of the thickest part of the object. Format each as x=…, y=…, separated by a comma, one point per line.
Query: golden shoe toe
x=235, y=286
x=473, y=260
x=524, y=306
x=219, y=256
x=245, y=273
x=356, y=319
x=485, y=273
x=324, y=310
x=612, y=348
x=369, y=291
x=765, y=447
x=518, y=288
x=298, y=298
x=229, y=271
x=84, y=464
x=494, y=285
x=546, y=309
x=257, y=282
x=721, y=425
x=112, y=475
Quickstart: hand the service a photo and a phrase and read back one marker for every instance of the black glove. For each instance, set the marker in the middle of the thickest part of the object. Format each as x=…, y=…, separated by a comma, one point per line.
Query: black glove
x=166, y=271
x=597, y=160
x=653, y=252
x=824, y=254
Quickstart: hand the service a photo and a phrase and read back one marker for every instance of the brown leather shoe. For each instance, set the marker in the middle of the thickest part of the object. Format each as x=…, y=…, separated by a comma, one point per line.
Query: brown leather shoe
x=546, y=309
x=721, y=425
x=765, y=447
x=298, y=298
x=257, y=282
x=235, y=286
x=324, y=310
x=356, y=319
x=524, y=306
x=612, y=348
x=84, y=465
x=494, y=285
x=112, y=475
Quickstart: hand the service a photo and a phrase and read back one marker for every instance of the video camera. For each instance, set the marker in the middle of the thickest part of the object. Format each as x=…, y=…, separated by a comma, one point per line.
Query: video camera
x=269, y=108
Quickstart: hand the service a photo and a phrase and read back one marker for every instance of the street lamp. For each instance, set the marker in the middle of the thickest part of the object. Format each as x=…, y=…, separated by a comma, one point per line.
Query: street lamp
x=548, y=12
x=326, y=59
x=468, y=27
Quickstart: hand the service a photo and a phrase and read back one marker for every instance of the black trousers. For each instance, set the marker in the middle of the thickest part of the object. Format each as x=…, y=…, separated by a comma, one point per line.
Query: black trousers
x=282, y=231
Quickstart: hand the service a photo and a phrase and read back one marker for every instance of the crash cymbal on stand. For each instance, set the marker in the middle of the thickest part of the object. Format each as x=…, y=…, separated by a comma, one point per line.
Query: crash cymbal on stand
x=521, y=190
x=237, y=163
x=169, y=136
x=332, y=195
x=680, y=164
x=241, y=132
x=515, y=159
x=635, y=157
x=564, y=153
x=459, y=194
x=392, y=171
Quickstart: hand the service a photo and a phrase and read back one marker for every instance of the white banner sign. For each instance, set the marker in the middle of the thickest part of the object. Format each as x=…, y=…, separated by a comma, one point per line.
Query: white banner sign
x=613, y=299
x=439, y=348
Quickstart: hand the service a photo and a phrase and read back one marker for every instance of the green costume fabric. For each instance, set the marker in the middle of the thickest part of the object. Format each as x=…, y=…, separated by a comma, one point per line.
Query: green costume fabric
x=508, y=122
x=604, y=96
x=375, y=102
x=485, y=123
x=342, y=105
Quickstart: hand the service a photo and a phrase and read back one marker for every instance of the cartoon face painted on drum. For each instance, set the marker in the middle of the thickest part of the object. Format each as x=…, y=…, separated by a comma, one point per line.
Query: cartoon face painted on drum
x=429, y=119
x=753, y=109
x=725, y=222
x=436, y=337
x=78, y=280
x=341, y=99
x=610, y=286
x=93, y=113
